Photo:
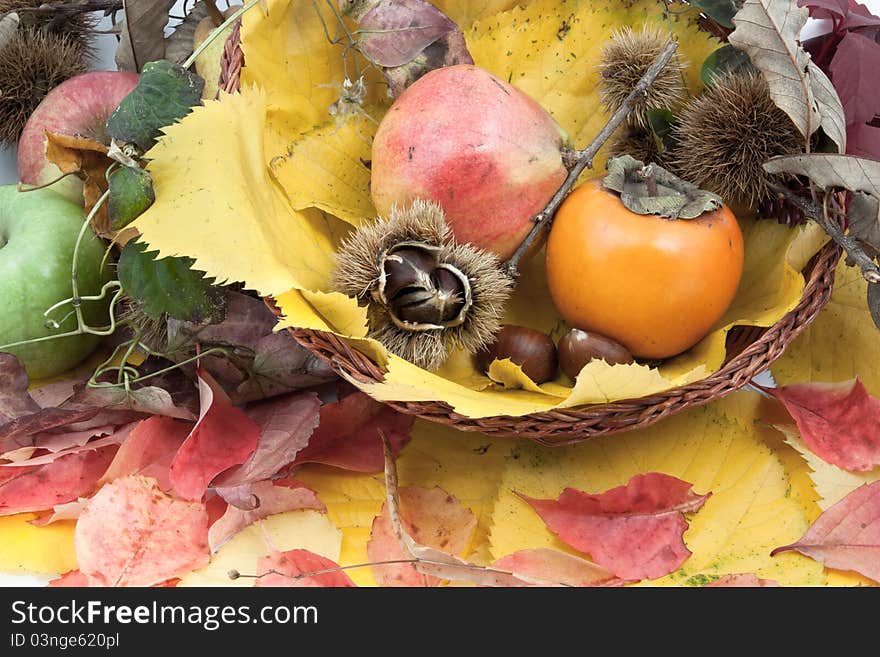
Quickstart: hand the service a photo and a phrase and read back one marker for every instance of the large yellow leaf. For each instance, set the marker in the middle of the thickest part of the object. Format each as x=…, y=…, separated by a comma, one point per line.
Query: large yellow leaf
x=467, y=465
x=309, y=530
x=748, y=514
x=841, y=343
x=29, y=549
x=326, y=169
x=216, y=202
x=551, y=49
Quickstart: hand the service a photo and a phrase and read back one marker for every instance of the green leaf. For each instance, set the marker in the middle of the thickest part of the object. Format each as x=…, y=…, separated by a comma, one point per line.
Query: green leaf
x=721, y=11
x=726, y=59
x=165, y=93
x=169, y=285
x=131, y=192
x=662, y=122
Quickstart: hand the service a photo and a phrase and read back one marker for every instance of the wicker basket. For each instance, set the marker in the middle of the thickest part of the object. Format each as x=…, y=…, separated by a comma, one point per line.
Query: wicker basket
x=750, y=351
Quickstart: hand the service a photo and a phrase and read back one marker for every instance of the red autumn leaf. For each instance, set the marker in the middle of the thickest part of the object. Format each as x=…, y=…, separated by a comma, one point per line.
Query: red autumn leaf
x=14, y=398
x=114, y=438
x=41, y=487
x=149, y=450
x=863, y=141
x=285, y=569
x=549, y=565
x=743, y=580
x=433, y=518
x=133, y=534
x=847, y=535
x=839, y=422
x=75, y=578
x=223, y=437
x=55, y=442
x=271, y=497
x=348, y=434
x=635, y=531
x=854, y=68
x=286, y=424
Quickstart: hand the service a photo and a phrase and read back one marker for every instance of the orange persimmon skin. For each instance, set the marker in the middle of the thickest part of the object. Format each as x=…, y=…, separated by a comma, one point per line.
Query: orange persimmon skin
x=655, y=285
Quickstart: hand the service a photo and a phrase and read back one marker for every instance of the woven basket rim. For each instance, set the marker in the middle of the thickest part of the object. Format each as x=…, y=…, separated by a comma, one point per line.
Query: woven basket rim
x=751, y=350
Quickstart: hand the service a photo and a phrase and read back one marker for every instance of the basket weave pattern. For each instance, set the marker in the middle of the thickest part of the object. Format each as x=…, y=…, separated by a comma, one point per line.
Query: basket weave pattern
x=750, y=351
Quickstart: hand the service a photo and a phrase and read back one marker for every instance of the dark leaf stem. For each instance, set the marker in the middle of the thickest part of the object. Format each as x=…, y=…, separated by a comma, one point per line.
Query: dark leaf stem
x=820, y=214
x=578, y=160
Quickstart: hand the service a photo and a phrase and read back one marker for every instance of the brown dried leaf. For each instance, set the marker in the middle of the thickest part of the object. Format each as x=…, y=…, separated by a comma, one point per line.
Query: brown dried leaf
x=179, y=44
x=14, y=398
x=830, y=170
x=769, y=32
x=863, y=213
x=142, y=38
x=87, y=159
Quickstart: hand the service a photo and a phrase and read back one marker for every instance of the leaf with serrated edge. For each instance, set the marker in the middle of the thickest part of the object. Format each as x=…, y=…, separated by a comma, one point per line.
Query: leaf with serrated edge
x=840, y=343
x=168, y=285
x=831, y=482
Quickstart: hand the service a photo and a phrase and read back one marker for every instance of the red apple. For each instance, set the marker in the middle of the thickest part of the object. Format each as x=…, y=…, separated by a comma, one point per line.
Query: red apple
x=80, y=107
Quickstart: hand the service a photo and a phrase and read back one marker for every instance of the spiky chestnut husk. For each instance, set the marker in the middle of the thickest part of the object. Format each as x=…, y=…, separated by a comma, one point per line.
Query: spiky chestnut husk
x=151, y=332
x=725, y=135
x=640, y=143
x=81, y=24
x=625, y=59
x=361, y=272
x=33, y=62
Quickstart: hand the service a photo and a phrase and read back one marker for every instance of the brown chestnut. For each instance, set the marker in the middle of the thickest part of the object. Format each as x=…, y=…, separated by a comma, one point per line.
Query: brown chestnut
x=577, y=348
x=532, y=350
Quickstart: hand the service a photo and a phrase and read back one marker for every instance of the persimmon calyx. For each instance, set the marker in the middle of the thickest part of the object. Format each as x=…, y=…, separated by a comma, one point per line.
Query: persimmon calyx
x=651, y=189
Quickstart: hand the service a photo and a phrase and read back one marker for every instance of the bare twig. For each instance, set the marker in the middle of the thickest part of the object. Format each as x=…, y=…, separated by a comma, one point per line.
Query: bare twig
x=72, y=8
x=820, y=214
x=579, y=160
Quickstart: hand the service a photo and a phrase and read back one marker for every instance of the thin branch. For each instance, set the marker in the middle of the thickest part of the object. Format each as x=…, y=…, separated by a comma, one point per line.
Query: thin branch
x=819, y=214
x=579, y=160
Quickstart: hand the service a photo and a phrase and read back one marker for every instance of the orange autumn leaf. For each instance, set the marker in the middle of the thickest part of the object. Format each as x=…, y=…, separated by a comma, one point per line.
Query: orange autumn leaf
x=433, y=518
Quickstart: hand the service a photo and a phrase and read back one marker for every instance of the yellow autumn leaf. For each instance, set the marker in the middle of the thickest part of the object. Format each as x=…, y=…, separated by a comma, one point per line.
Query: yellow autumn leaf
x=831, y=482
x=466, y=12
x=841, y=342
x=29, y=549
x=217, y=203
x=308, y=530
x=747, y=516
x=326, y=169
x=435, y=456
x=551, y=49
x=287, y=53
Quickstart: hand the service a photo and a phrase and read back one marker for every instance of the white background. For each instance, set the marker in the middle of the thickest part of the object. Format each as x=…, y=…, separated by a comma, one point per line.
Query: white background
x=106, y=45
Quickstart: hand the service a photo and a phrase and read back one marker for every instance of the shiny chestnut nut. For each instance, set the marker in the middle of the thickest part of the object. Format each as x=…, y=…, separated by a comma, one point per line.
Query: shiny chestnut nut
x=577, y=348
x=532, y=350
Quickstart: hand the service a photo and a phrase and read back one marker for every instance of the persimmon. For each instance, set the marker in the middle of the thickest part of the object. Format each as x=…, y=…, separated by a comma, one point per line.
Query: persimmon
x=655, y=284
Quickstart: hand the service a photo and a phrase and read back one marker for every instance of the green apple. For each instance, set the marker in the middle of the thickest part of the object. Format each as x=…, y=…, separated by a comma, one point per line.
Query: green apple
x=38, y=231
